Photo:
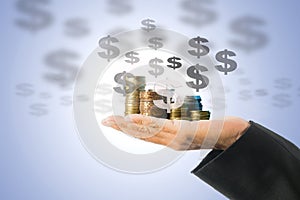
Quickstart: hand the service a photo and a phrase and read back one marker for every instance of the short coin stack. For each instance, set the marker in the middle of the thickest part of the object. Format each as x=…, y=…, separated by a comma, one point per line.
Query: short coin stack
x=199, y=115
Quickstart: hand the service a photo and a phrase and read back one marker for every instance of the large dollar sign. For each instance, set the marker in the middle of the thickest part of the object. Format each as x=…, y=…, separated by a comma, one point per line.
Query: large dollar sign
x=149, y=25
x=60, y=61
x=200, y=16
x=168, y=94
x=112, y=51
x=229, y=65
x=128, y=86
x=119, y=7
x=155, y=44
x=39, y=18
x=133, y=59
x=175, y=63
x=252, y=39
x=158, y=69
x=194, y=72
x=201, y=50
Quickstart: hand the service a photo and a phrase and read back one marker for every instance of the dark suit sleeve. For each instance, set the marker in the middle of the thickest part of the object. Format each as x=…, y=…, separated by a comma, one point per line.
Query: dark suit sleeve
x=261, y=165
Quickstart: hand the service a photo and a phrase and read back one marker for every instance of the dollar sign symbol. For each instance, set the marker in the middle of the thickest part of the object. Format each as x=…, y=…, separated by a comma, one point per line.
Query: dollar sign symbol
x=24, y=89
x=148, y=23
x=112, y=51
x=283, y=83
x=282, y=100
x=119, y=7
x=168, y=94
x=229, y=65
x=155, y=43
x=39, y=18
x=194, y=72
x=158, y=69
x=76, y=27
x=133, y=59
x=252, y=39
x=201, y=16
x=38, y=109
x=174, y=62
x=202, y=50
x=128, y=86
x=67, y=72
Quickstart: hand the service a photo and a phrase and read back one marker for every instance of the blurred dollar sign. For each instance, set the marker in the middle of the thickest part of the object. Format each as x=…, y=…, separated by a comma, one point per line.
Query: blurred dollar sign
x=201, y=50
x=112, y=51
x=251, y=39
x=60, y=61
x=148, y=25
x=155, y=44
x=282, y=100
x=174, y=61
x=169, y=95
x=128, y=86
x=194, y=72
x=24, y=89
x=132, y=58
x=158, y=69
x=76, y=27
x=119, y=7
x=199, y=14
x=38, y=109
x=229, y=65
x=39, y=18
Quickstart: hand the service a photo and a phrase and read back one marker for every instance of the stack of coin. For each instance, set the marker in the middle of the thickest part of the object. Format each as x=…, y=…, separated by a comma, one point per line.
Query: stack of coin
x=193, y=103
x=147, y=106
x=133, y=85
x=199, y=115
x=179, y=113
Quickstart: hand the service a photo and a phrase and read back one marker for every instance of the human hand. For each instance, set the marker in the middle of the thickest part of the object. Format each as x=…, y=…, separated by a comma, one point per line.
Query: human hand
x=181, y=134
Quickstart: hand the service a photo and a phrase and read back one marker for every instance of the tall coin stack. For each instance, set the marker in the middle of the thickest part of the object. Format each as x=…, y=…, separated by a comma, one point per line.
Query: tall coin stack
x=147, y=106
x=132, y=100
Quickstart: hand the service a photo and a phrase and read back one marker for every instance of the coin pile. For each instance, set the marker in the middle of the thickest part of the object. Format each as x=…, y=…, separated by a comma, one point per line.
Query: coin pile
x=147, y=106
x=140, y=101
x=132, y=100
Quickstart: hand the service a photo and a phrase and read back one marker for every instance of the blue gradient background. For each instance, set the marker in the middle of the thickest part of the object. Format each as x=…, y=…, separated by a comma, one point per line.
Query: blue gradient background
x=42, y=158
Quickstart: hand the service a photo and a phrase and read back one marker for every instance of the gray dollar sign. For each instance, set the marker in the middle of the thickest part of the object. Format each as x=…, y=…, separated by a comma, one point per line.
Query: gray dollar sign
x=201, y=50
x=60, y=61
x=155, y=44
x=175, y=64
x=229, y=65
x=119, y=7
x=194, y=72
x=149, y=25
x=282, y=100
x=251, y=39
x=133, y=59
x=39, y=19
x=76, y=27
x=38, y=109
x=158, y=69
x=24, y=89
x=199, y=15
x=112, y=51
x=128, y=87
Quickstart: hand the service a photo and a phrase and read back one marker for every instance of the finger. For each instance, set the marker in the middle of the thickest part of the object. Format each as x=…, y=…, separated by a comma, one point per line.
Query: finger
x=139, y=119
